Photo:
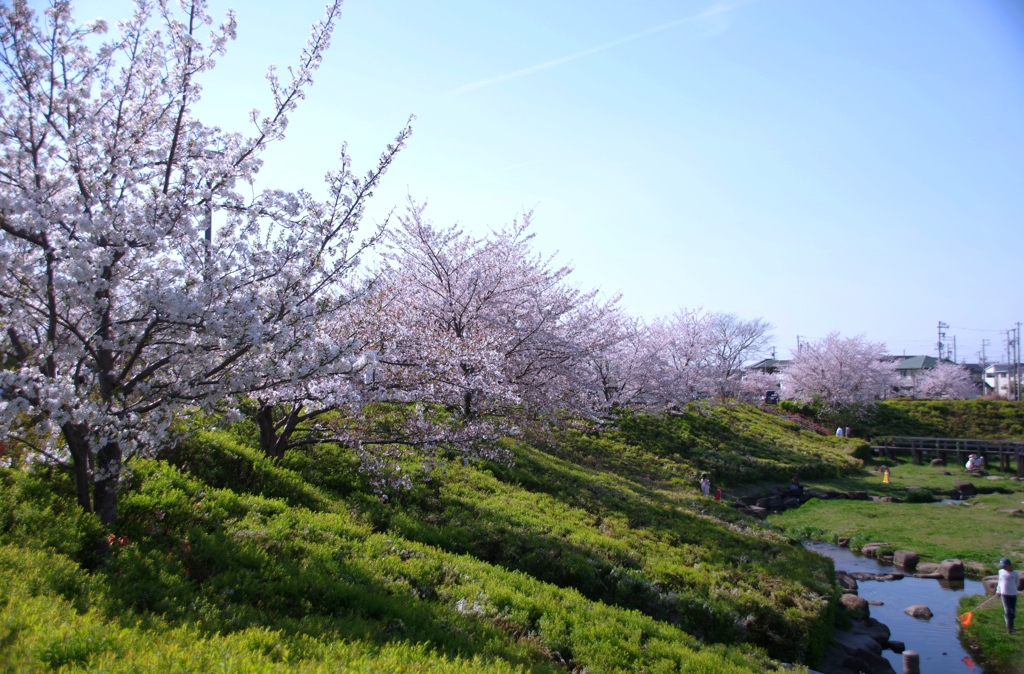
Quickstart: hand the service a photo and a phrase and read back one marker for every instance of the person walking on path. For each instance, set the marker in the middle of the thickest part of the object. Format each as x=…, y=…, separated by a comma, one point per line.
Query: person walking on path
x=839, y=432
x=705, y=484
x=1006, y=588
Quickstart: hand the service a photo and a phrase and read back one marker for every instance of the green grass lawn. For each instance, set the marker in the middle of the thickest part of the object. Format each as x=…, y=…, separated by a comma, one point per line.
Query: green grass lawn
x=974, y=532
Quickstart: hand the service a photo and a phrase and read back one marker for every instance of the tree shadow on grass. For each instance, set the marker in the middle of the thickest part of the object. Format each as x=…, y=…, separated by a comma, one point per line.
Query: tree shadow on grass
x=547, y=521
x=237, y=563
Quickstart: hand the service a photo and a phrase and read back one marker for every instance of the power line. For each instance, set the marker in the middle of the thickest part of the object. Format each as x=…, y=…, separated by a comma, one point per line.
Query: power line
x=957, y=327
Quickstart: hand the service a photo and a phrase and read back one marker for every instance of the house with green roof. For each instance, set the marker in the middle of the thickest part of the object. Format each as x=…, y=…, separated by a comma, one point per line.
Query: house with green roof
x=909, y=369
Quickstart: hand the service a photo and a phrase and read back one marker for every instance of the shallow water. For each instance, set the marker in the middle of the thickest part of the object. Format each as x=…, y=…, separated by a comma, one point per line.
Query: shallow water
x=935, y=639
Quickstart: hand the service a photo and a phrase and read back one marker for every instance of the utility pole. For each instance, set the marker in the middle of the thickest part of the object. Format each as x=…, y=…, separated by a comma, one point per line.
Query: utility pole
x=942, y=335
x=954, y=348
x=1012, y=390
x=798, y=346
x=984, y=343
x=1017, y=360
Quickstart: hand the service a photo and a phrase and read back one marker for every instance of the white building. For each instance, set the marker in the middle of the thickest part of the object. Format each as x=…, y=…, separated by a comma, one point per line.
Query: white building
x=999, y=380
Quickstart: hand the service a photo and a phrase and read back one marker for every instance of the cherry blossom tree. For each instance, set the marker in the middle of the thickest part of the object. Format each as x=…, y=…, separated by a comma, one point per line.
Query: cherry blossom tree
x=734, y=341
x=118, y=301
x=839, y=372
x=946, y=381
x=621, y=366
x=754, y=385
x=672, y=361
x=478, y=325
x=685, y=348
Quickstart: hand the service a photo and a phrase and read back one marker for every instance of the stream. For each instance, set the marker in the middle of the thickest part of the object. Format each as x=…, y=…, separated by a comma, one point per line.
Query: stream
x=935, y=639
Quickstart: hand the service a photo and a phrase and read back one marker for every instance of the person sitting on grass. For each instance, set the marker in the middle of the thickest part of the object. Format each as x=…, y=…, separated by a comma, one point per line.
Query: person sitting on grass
x=974, y=463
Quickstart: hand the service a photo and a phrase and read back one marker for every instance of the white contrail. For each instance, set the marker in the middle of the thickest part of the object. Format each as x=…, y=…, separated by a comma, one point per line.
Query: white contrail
x=716, y=9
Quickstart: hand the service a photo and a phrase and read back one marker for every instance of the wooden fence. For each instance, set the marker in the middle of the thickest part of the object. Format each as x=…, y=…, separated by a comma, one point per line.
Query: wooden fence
x=1003, y=451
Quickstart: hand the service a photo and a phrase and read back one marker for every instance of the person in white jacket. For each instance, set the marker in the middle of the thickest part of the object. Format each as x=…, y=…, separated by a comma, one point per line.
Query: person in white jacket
x=1006, y=588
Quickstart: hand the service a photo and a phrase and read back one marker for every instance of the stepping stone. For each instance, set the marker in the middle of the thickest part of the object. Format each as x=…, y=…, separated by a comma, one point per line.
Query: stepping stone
x=906, y=559
x=952, y=569
x=919, y=611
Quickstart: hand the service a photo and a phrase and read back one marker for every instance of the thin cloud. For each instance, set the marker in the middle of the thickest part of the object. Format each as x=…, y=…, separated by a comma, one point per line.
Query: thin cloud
x=715, y=11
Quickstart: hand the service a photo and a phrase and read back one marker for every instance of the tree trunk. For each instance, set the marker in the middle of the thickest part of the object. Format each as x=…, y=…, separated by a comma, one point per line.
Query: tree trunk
x=108, y=477
x=274, y=441
x=264, y=418
x=81, y=462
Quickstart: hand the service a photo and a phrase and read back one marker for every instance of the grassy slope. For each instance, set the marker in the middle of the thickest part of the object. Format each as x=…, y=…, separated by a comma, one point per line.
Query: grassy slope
x=592, y=553
x=988, y=419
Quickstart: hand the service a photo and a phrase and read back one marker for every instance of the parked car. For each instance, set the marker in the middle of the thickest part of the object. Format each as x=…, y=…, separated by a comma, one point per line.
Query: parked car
x=771, y=397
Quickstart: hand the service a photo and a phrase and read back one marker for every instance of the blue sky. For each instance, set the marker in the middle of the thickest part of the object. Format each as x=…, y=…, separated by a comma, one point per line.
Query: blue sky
x=854, y=166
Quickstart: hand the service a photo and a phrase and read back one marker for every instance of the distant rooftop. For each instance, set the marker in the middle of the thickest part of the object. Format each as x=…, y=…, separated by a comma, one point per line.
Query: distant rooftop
x=917, y=363
x=769, y=364
x=1000, y=368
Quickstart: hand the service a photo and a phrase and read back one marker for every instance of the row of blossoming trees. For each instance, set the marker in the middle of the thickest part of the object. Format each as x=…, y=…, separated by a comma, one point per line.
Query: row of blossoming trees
x=842, y=377
x=143, y=275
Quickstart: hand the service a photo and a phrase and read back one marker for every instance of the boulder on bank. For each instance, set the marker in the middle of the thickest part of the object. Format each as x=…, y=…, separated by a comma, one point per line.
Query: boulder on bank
x=974, y=568
x=847, y=582
x=927, y=567
x=966, y=489
x=871, y=549
x=859, y=649
x=952, y=569
x=938, y=462
x=905, y=559
x=919, y=611
x=856, y=605
x=867, y=575
x=755, y=511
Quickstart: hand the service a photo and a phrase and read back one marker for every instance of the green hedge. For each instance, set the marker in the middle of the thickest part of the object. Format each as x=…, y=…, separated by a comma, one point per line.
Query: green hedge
x=982, y=419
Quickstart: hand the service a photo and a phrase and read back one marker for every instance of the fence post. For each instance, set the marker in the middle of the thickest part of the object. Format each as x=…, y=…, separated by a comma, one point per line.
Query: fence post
x=911, y=662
